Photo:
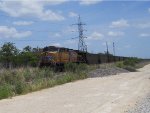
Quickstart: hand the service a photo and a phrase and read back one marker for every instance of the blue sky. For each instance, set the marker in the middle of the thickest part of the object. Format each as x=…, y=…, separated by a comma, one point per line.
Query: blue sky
x=44, y=23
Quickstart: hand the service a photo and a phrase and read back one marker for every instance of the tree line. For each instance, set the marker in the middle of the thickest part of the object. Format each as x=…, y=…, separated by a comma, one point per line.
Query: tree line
x=12, y=57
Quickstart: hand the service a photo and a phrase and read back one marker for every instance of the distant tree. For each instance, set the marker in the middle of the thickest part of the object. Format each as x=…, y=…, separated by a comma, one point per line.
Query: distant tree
x=36, y=50
x=8, y=52
x=10, y=56
x=27, y=49
x=29, y=57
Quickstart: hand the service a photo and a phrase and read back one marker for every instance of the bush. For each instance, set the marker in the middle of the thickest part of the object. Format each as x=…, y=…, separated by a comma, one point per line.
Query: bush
x=20, y=88
x=130, y=68
x=131, y=61
x=6, y=91
x=82, y=67
x=10, y=77
x=71, y=67
x=27, y=75
x=120, y=64
x=64, y=79
x=128, y=64
x=74, y=67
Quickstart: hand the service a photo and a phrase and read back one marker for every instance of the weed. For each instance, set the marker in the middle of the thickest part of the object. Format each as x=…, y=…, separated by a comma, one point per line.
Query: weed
x=6, y=91
x=25, y=80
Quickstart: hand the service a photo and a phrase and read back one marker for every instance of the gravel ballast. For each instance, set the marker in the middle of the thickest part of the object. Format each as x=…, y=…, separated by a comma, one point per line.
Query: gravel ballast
x=101, y=72
x=142, y=106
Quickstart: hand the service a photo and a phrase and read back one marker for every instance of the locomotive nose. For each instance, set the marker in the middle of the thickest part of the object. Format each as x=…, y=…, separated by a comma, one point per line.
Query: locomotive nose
x=47, y=58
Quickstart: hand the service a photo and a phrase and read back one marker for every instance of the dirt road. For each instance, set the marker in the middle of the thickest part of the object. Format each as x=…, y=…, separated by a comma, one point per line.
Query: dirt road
x=113, y=94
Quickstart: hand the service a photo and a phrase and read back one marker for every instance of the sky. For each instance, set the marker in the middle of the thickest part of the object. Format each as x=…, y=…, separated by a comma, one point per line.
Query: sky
x=40, y=23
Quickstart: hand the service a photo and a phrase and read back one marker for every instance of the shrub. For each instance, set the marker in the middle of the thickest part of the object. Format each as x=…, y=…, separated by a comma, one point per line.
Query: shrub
x=120, y=64
x=128, y=64
x=10, y=77
x=20, y=88
x=27, y=75
x=67, y=77
x=131, y=61
x=6, y=91
x=82, y=67
x=73, y=67
x=44, y=73
x=130, y=68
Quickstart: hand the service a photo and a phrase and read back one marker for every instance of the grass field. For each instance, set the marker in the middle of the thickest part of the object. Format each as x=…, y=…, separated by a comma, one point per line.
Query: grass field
x=24, y=80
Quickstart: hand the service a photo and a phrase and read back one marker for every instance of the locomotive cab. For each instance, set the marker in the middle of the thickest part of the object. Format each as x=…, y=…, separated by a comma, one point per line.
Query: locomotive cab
x=52, y=56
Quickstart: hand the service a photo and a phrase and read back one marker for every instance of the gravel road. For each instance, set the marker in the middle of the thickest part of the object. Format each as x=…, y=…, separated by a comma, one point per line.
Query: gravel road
x=143, y=106
x=111, y=94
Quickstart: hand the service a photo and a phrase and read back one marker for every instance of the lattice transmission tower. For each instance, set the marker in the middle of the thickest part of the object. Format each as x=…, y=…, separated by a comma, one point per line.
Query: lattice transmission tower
x=81, y=44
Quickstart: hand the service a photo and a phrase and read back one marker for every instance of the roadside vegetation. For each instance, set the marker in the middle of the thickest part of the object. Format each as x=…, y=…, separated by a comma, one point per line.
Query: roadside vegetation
x=130, y=64
x=24, y=80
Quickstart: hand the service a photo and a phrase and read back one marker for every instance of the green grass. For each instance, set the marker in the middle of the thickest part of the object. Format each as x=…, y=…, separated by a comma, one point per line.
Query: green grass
x=129, y=64
x=24, y=80
x=6, y=91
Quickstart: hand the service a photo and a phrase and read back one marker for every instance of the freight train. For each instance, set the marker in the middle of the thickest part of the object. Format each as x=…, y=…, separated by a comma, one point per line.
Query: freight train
x=58, y=56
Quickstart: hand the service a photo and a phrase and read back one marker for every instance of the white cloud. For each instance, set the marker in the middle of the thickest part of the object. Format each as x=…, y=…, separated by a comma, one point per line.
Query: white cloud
x=144, y=25
x=72, y=14
x=144, y=35
x=56, y=44
x=119, y=24
x=11, y=32
x=115, y=34
x=36, y=9
x=96, y=36
x=89, y=2
x=23, y=23
x=51, y=2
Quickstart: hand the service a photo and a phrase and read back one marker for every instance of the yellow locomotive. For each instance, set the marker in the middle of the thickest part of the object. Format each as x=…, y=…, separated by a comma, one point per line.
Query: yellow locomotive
x=57, y=56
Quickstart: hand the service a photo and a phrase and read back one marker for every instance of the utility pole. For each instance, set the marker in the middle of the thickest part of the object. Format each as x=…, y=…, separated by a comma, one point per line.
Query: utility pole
x=81, y=45
x=114, y=50
x=107, y=52
x=107, y=47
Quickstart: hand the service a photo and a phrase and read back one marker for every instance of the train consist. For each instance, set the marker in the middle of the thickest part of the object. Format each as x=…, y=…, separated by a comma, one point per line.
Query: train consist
x=58, y=56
